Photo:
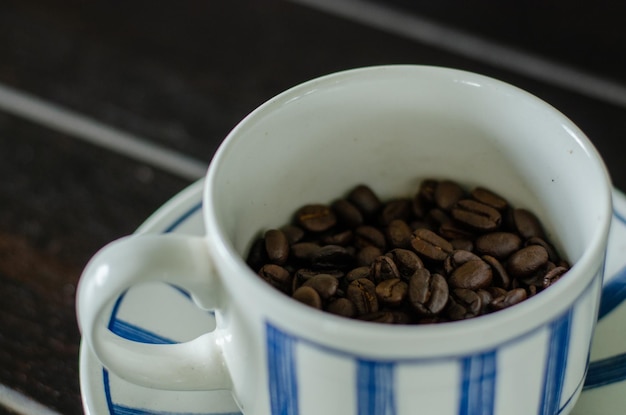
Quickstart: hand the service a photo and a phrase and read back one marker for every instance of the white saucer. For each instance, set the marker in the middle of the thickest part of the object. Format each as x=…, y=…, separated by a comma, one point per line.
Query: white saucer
x=152, y=314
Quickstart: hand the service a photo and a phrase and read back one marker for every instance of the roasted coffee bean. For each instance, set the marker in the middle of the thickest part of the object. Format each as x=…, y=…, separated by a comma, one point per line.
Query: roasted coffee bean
x=498, y=244
x=362, y=293
x=428, y=293
x=367, y=255
x=277, y=276
x=304, y=250
x=399, y=234
x=257, y=255
x=369, y=235
x=316, y=218
x=477, y=215
x=535, y=240
x=293, y=233
x=398, y=209
x=347, y=213
x=359, y=272
x=443, y=255
x=511, y=298
x=525, y=223
x=527, y=261
x=378, y=317
x=430, y=245
x=464, y=304
x=308, y=296
x=462, y=244
x=553, y=276
x=331, y=257
x=392, y=292
x=500, y=276
x=277, y=246
x=383, y=268
x=326, y=285
x=457, y=258
x=342, y=238
x=364, y=198
x=406, y=261
x=472, y=275
x=447, y=194
x=489, y=198
x=342, y=307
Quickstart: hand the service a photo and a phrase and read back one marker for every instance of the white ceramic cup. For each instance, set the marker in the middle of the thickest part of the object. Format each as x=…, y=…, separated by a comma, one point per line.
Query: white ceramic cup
x=388, y=127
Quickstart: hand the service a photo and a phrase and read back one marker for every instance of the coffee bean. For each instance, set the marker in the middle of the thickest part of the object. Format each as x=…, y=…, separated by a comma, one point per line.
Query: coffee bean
x=304, y=250
x=277, y=246
x=399, y=209
x=428, y=293
x=277, y=276
x=489, y=198
x=367, y=255
x=430, y=245
x=476, y=215
x=365, y=200
x=308, y=296
x=342, y=307
x=457, y=258
x=316, y=218
x=447, y=194
x=553, y=276
x=326, y=285
x=406, y=261
x=465, y=304
x=331, y=256
x=498, y=244
x=511, y=298
x=378, y=317
x=525, y=223
x=293, y=233
x=527, y=261
x=347, y=213
x=359, y=272
x=365, y=235
x=392, y=292
x=500, y=276
x=472, y=275
x=443, y=255
x=383, y=268
x=362, y=293
x=399, y=234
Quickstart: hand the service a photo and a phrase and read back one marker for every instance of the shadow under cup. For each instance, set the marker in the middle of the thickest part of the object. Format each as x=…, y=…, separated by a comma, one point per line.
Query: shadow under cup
x=390, y=128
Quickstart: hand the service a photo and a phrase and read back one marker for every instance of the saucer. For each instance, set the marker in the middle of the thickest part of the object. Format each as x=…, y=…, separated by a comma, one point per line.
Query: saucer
x=152, y=314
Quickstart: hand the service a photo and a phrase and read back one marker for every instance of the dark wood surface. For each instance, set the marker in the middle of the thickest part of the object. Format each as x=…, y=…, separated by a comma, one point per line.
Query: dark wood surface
x=180, y=75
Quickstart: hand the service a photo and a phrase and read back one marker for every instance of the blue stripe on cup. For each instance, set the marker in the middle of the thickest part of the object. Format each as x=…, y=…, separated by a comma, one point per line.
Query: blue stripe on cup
x=375, y=388
x=282, y=372
x=478, y=384
x=556, y=365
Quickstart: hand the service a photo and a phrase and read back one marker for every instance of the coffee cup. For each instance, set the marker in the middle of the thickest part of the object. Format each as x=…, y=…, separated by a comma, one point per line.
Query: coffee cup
x=389, y=127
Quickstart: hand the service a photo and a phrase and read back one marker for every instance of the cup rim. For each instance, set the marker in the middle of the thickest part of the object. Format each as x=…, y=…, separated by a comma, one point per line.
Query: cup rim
x=226, y=253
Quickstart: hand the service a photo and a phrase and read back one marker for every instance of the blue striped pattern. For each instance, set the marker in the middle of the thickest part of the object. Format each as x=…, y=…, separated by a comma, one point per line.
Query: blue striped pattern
x=375, y=388
x=282, y=372
x=478, y=384
x=556, y=365
x=375, y=380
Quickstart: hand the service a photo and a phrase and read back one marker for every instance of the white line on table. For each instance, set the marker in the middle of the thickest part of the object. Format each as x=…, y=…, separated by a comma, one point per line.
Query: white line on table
x=22, y=404
x=79, y=126
x=437, y=35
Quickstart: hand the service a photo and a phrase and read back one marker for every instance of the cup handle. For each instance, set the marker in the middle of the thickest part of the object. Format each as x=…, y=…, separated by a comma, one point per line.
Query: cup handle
x=177, y=259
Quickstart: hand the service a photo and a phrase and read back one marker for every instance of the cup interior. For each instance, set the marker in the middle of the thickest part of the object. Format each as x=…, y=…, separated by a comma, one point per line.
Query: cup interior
x=391, y=127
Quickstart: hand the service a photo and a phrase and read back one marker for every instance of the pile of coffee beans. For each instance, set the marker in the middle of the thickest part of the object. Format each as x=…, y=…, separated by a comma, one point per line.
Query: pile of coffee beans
x=445, y=254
